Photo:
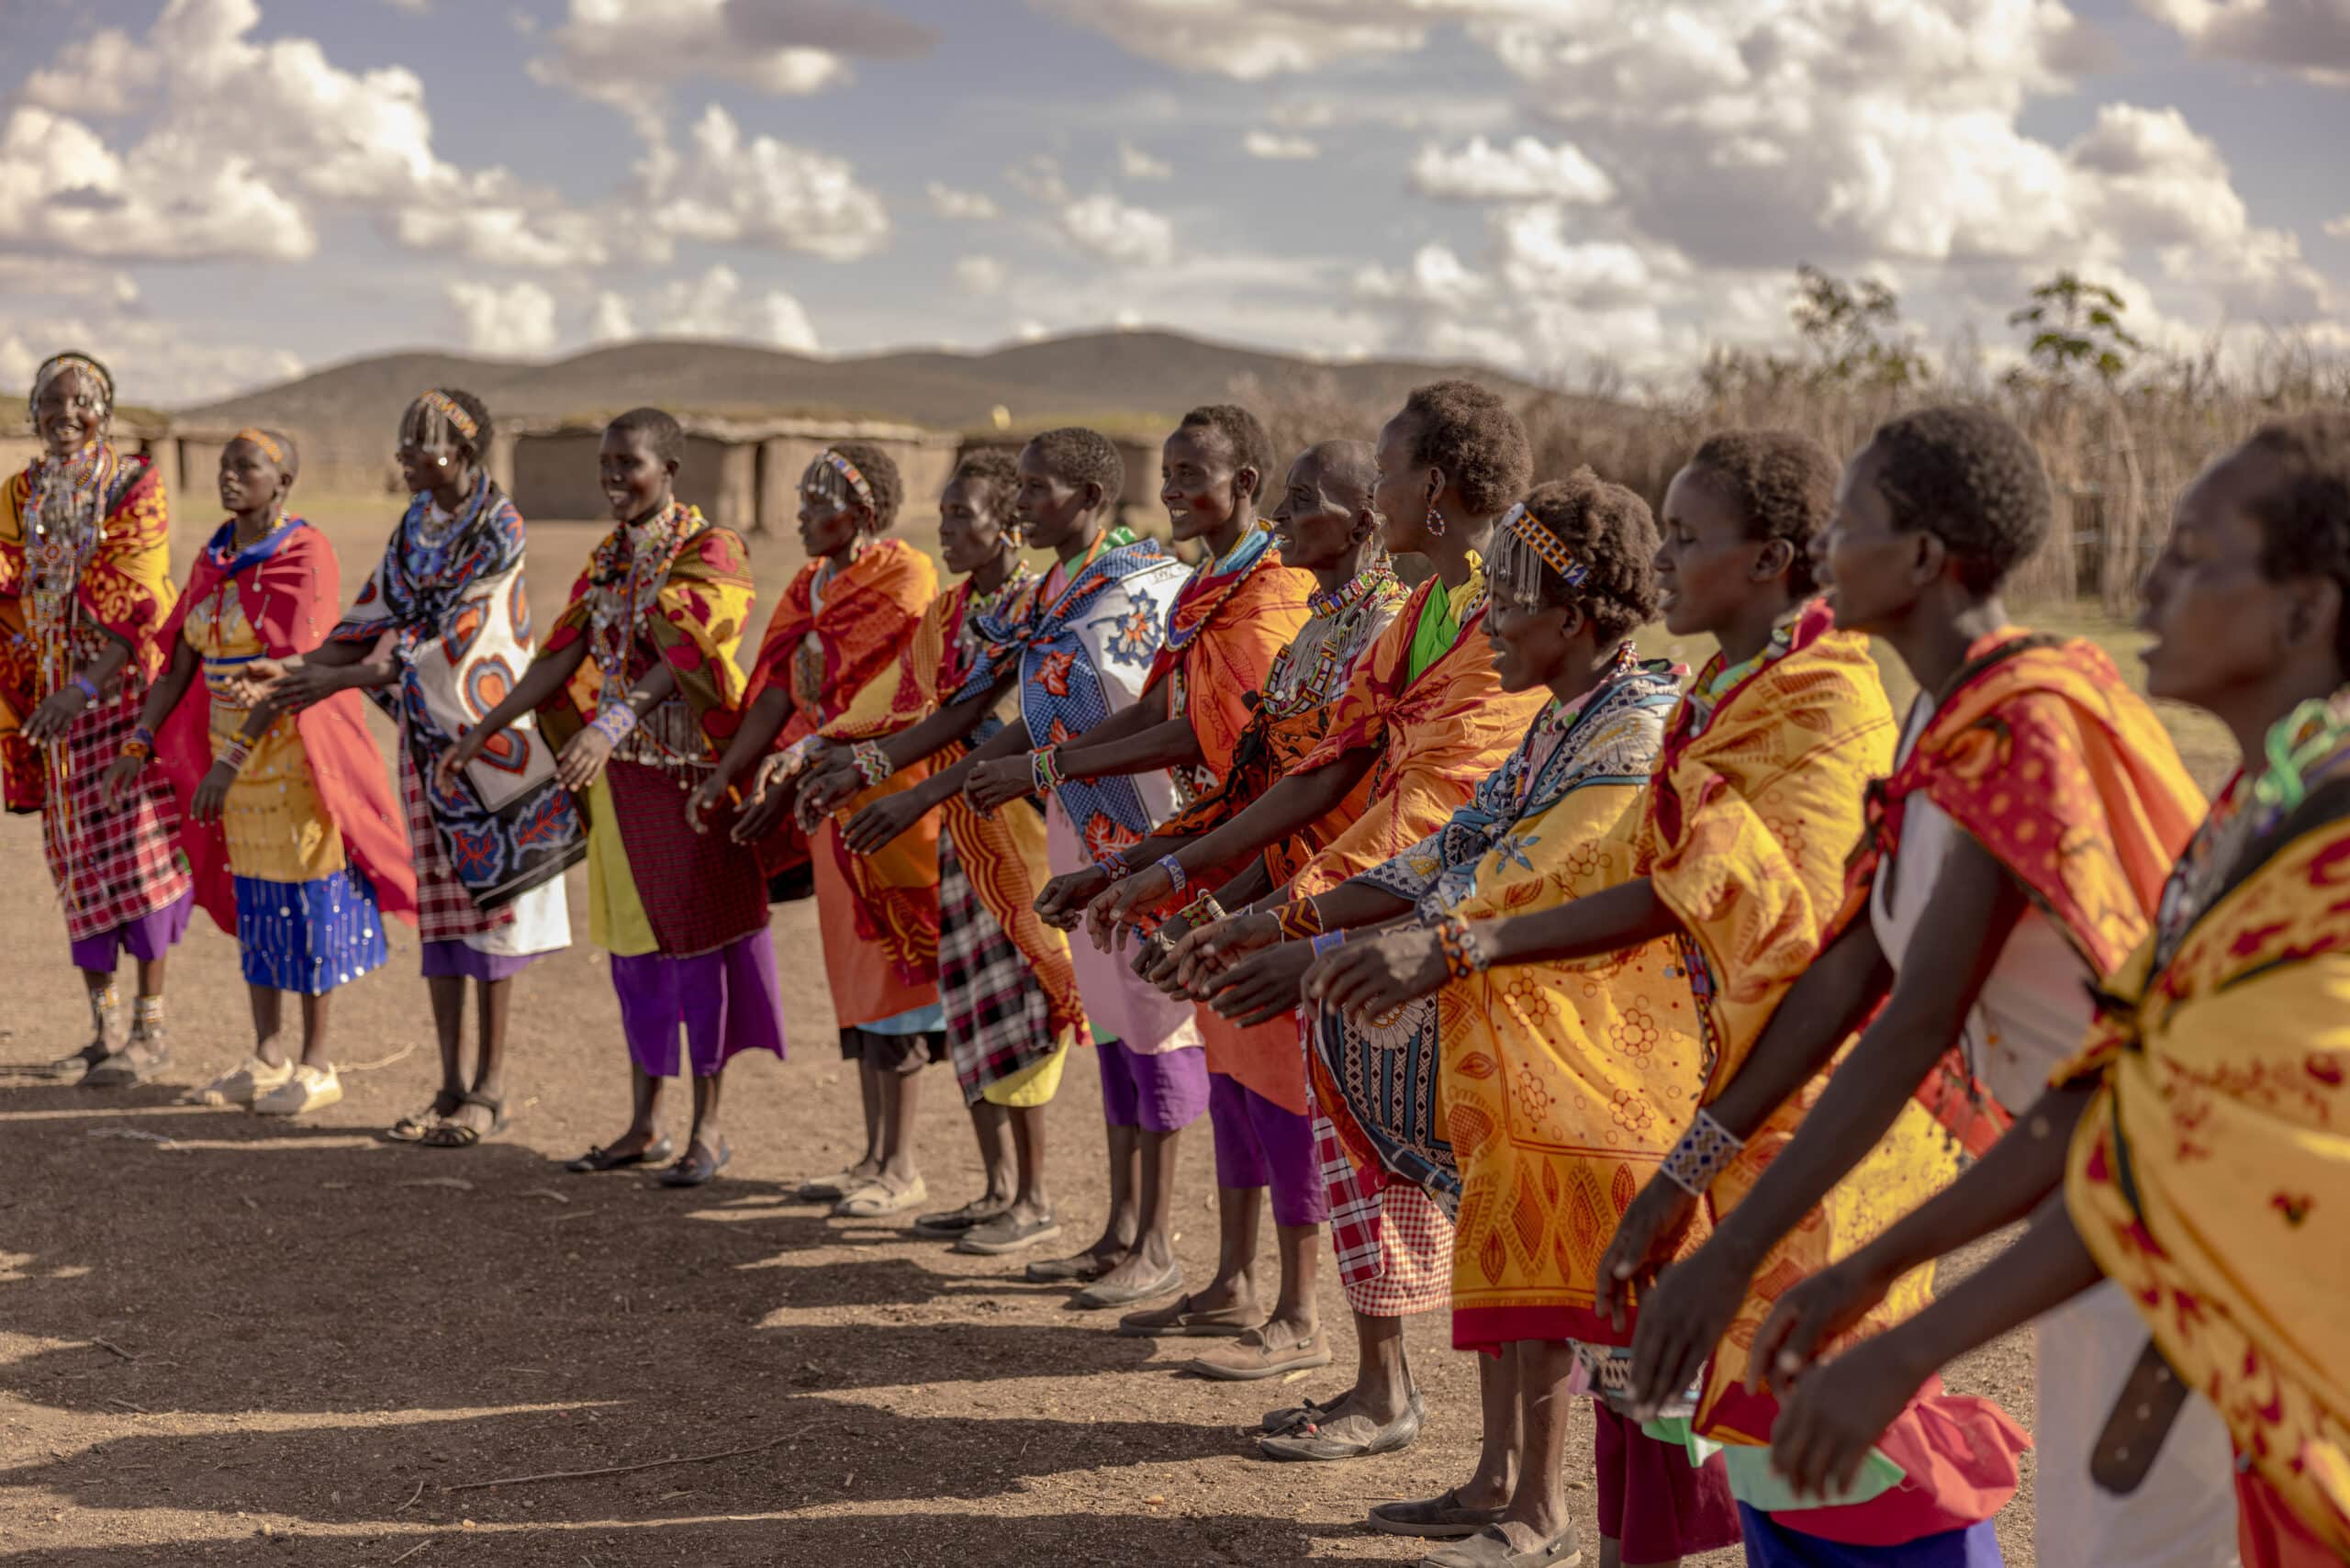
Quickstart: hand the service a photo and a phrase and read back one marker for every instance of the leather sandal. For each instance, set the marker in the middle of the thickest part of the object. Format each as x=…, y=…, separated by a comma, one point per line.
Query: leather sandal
x=599, y=1158
x=697, y=1167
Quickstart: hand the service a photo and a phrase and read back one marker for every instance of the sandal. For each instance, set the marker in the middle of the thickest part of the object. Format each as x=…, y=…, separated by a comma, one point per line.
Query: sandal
x=412, y=1127
x=457, y=1134
x=1176, y=1320
x=697, y=1167
x=880, y=1199
x=1441, y=1518
x=952, y=1223
x=244, y=1084
x=600, y=1159
x=1250, y=1357
x=833, y=1188
x=76, y=1068
x=121, y=1070
x=1349, y=1437
x=1289, y=1417
x=1007, y=1234
x=1097, y=1295
x=1078, y=1269
x=1491, y=1548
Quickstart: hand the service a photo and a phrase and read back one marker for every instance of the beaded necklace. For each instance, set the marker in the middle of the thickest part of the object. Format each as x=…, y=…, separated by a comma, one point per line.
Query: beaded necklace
x=620, y=595
x=1293, y=685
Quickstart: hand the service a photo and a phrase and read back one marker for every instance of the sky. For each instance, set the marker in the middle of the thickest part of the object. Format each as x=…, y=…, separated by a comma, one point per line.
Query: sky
x=213, y=193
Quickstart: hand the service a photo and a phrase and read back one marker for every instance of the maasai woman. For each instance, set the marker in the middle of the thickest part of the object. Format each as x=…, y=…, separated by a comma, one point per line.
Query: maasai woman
x=2022, y=841
x=1242, y=608
x=1550, y=1112
x=637, y=689
x=1005, y=977
x=1323, y=524
x=438, y=637
x=1081, y=640
x=292, y=834
x=85, y=587
x=1425, y=721
x=1738, y=856
x=841, y=628
x=2205, y=1148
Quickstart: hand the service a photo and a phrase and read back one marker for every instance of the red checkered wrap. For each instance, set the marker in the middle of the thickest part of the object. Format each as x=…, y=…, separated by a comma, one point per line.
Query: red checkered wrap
x=445, y=910
x=1395, y=1245
x=110, y=864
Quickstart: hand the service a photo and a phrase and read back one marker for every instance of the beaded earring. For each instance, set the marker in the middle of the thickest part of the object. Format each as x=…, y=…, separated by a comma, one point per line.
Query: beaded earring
x=1435, y=523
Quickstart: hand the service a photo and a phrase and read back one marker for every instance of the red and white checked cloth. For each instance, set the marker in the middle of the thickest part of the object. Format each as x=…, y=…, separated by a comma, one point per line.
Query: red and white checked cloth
x=111, y=865
x=1395, y=1245
x=445, y=910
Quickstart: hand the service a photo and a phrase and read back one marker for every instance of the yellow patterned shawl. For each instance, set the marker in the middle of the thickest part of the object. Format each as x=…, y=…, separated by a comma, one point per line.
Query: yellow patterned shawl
x=1563, y=1085
x=2211, y=1176
x=1755, y=811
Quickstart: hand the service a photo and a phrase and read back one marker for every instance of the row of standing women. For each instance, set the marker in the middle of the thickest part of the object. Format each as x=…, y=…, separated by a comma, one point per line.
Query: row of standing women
x=1584, y=997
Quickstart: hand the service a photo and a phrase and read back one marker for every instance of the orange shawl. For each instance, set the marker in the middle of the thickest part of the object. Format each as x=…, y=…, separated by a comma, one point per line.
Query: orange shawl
x=1224, y=631
x=2041, y=753
x=1436, y=738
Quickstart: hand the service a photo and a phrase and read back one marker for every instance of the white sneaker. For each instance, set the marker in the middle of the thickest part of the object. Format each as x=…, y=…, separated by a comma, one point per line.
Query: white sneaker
x=306, y=1089
x=245, y=1085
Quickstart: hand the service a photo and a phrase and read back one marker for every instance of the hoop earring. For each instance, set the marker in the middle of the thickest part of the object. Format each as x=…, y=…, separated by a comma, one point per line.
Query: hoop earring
x=1435, y=521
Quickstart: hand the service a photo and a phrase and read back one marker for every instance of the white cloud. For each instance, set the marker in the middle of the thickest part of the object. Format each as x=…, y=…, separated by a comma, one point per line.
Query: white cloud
x=515, y=321
x=714, y=305
x=1029, y=331
x=625, y=52
x=1251, y=40
x=2311, y=38
x=1111, y=229
x=962, y=206
x=726, y=189
x=1137, y=164
x=155, y=360
x=1274, y=145
x=612, y=321
x=2340, y=227
x=1039, y=179
x=1525, y=170
x=199, y=182
x=980, y=276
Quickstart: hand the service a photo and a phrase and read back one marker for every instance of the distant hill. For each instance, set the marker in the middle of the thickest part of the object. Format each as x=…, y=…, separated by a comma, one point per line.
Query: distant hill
x=1098, y=376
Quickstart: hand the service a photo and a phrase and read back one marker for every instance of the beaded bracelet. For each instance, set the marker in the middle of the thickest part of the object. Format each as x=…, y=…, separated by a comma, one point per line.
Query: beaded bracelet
x=136, y=748
x=1202, y=911
x=1463, y=956
x=1045, y=769
x=236, y=753
x=613, y=720
x=872, y=762
x=1701, y=1155
x=86, y=687
x=1114, y=862
x=1328, y=942
x=1300, y=921
x=1175, y=872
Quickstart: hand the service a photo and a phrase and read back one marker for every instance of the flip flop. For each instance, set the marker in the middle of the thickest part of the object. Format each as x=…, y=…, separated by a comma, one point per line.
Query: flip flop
x=76, y=1067
x=1489, y=1548
x=457, y=1134
x=697, y=1167
x=1176, y=1320
x=1005, y=1234
x=1097, y=1297
x=602, y=1158
x=1353, y=1437
x=1441, y=1518
x=1289, y=1417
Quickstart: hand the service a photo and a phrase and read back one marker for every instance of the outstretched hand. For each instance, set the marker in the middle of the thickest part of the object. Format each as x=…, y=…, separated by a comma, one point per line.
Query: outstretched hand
x=882, y=823
x=1062, y=903
x=1264, y=986
x=1646, y=1240
x=1683, y=1316
x=1124, y=903
x=450, y=769
x=1369, y=979
x=999, y=783
x=1806, y=1319
x=1837, y=1412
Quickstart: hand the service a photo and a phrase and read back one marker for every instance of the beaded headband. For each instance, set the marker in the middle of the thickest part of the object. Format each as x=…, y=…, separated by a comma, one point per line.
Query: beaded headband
x=853, y=476
x=1520, y=525
x=448, y=407
x=266, y=443
x=62, y=362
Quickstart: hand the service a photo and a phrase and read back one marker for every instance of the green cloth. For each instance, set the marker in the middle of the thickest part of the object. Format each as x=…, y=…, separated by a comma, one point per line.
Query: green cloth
x=1441, y=614
x=1753, y=1481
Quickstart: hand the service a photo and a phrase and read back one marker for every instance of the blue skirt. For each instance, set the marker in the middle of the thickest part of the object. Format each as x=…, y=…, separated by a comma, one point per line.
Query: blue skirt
x=308, y=937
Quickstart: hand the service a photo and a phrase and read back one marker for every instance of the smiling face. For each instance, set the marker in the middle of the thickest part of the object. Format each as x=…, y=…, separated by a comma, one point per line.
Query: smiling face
x=1708, y=568
x=71, y=412
x=1200, y=483
x=2214, y=614
x=1053, y=513
x=252, y=483
x=970, y=525
x=636, y=478
x=1871, y=570
x=1401, y=493
x=1315, y=528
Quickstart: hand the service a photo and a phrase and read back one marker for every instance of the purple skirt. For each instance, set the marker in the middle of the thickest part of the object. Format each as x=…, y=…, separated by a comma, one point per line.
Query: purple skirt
x=456, y=959
x=726, y=1001
x=146, y=938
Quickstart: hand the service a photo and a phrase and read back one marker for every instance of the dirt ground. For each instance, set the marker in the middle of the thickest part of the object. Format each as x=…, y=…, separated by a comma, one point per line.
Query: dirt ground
x=226, y=1341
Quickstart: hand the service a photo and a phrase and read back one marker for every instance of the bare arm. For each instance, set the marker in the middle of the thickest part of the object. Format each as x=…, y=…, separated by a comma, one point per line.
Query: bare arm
x=1625, y=915
x=1169, y=744
x=946, y=727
